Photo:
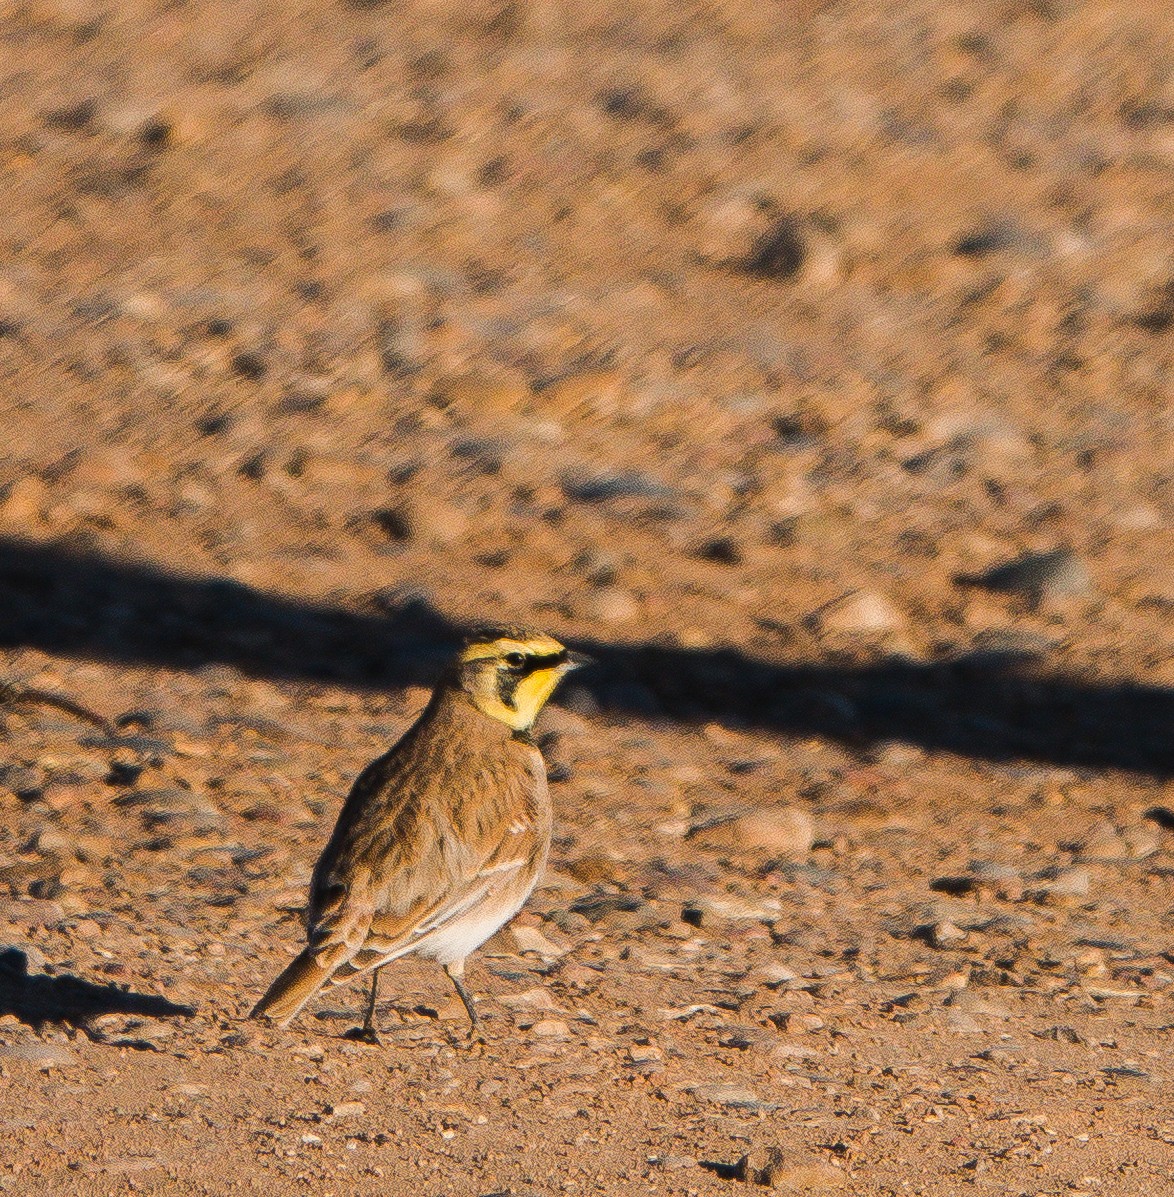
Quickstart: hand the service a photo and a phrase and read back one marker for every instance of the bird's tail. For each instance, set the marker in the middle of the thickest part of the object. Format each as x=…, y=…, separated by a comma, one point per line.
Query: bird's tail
x=302, y=978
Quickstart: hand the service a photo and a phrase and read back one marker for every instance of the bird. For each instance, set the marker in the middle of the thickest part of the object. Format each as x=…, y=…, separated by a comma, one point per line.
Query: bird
x=441, y=839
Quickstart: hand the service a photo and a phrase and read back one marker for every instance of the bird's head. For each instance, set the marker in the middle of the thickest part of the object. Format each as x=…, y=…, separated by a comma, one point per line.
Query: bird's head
x=509, y=674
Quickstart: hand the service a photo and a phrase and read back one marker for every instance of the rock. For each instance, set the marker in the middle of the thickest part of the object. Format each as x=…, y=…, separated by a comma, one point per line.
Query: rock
x=26, y=783
x=673, y=1163
x=775, y=975
x=394, y=523
x=1036, y=576
x=550, y=1028
x=797, y=1022
x=722, y=550
x=120, y=1030
x=599, y=569
x=172, y=808
x=895, y=753
x=439, y=522
x=1110, y=846
x=595, y=907
x=783, y=830
x=947, y=935
x=347, y=1109
x=534, y=998
x=1157, y=314
x=486, y=453
x=1063, y=886
x=597, y=868
x=988, y=239
x=861, y=614
x=49, y=841
x=757, y=1167
x=42, y=1055
x=599, y=488
x=530, y=939
x=399, y=326
x=731, y=1095
x=975, y=1001
x=729, y=225
x=23, y=502
x=31, y=912
x=610, y=604
x=731, y=907
x=958, y=1022
x=745, y=1038
x=779, y=253
x=1162, y=815
x=432, y=520
x=619, y=912
x=250, y=364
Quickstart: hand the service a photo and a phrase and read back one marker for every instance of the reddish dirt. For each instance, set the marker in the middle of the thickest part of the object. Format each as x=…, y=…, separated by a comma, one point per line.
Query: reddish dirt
x=734, y=344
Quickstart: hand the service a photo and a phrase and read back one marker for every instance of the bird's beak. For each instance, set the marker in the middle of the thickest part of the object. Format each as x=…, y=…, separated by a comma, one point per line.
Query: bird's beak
x=578, y=660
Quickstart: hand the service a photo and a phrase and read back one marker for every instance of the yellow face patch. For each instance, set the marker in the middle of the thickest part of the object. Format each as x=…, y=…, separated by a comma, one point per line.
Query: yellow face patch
x=511, y=677
x=532, y=691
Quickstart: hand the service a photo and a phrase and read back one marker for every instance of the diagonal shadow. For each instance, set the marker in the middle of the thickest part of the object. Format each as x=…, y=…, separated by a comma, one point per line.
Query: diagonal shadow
x=75, y=603
x=36, y=999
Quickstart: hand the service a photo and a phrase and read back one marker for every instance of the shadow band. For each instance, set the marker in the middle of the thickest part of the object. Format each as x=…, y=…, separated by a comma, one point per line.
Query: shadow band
x=71, y=602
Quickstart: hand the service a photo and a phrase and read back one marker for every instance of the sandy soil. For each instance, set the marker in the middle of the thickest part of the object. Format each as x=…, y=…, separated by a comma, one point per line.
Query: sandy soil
x=736, y=344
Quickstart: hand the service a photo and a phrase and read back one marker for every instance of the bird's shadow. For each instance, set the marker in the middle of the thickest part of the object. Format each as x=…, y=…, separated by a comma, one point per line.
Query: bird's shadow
x=36, y=998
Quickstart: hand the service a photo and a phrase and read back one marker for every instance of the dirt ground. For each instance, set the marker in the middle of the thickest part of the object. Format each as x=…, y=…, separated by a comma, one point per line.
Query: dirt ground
x=736, y=344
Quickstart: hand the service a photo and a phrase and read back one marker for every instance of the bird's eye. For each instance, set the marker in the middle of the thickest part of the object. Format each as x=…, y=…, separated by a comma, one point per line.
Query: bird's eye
x=515, y=660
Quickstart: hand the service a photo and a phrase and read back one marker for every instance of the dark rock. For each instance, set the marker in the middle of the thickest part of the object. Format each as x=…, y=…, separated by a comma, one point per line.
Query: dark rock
x=796, y=431
x=74, y=118
x=1036, y=576
x=213, y=425
x=598, y=907
x=123, y=774
x=989, y=239
x=779, y=253
x=486, y=453
x=723, y=550
x=22, y=781
x=1158, y=316
x=956, y=886
x=393, y=523
x=250, y=366
x=624, y=485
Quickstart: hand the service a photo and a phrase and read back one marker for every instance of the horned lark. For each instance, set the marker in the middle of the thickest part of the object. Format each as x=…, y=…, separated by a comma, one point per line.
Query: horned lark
x=442, y=839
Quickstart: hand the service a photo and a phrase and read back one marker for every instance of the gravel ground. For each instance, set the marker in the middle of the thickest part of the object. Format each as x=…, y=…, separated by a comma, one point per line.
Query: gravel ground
x=807, y=364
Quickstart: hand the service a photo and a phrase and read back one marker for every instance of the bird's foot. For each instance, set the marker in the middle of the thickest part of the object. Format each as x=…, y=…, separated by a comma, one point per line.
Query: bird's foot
x=364, y=1035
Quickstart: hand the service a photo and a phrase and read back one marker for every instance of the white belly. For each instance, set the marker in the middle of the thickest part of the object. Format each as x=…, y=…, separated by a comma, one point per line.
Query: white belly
x=462, y=935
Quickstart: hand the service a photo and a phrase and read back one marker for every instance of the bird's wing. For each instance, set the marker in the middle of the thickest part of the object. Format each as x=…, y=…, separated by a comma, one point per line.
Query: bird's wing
x=408, y=867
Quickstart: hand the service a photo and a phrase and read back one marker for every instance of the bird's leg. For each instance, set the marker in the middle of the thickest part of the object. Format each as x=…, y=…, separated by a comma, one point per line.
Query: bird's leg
x=367, y=1033
x=456, y=974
